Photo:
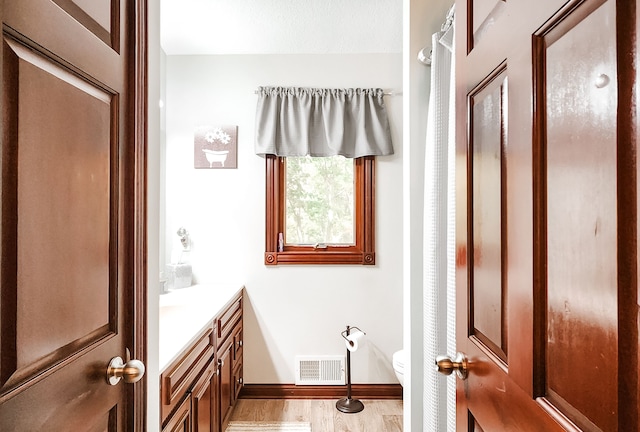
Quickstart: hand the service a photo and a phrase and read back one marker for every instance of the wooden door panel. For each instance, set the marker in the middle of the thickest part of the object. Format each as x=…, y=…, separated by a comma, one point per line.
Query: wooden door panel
x=52, y=404
x=581, y=217
x=59, y=273
x=489, y=123
x=50, y=28
x=482, y=10
x=484, y=15
x=100, y=17
x=60, y=201
x=475, y=427
x=491, y=399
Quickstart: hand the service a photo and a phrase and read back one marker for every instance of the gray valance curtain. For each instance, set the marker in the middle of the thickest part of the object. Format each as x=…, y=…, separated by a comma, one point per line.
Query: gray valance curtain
x=296, y=121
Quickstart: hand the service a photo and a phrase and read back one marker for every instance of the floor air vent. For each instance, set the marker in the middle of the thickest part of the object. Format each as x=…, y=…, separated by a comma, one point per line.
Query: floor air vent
x=320, y=370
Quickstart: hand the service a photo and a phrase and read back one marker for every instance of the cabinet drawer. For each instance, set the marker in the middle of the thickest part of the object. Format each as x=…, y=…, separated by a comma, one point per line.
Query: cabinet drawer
x=228, y=319
x=177, y=379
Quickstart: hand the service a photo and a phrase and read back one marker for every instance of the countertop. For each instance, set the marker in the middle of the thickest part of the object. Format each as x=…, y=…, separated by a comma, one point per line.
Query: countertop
x=185, y=312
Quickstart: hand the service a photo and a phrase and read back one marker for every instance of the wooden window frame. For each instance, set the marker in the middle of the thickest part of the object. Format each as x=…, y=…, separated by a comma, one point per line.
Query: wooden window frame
x=362, y=252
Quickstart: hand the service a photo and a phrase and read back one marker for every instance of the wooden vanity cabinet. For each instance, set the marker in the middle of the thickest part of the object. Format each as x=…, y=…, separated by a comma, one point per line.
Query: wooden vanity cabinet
x=199, y=389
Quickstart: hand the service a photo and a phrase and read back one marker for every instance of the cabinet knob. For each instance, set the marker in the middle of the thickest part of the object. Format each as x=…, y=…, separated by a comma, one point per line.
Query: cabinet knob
x=220, y=362
x=240, y=381
x=240, y=344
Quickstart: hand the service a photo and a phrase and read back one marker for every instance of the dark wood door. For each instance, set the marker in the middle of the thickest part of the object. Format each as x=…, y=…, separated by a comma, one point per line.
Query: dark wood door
x=547, y=205
x=72, y=200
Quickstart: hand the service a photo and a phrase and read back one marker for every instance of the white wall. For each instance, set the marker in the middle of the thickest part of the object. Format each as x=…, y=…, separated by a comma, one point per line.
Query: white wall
x=290, y=310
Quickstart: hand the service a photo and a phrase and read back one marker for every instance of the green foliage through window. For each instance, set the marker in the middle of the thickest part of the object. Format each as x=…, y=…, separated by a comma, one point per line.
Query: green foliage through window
x=319, y=195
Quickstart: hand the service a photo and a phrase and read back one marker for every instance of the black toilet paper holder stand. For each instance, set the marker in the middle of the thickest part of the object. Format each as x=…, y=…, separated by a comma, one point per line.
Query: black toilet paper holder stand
x=349, y=405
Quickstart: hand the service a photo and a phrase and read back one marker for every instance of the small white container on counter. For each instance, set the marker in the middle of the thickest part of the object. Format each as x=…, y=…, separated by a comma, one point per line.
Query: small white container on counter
x=179, y=275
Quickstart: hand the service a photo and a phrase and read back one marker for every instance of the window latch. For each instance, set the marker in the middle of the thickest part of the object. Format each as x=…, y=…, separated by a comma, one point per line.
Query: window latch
x=320, y=246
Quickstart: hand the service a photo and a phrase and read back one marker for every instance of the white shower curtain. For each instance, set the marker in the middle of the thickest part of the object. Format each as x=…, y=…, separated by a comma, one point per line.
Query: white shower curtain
x=439, y=236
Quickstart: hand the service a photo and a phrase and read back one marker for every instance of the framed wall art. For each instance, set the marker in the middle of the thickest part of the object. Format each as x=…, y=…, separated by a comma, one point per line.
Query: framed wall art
x=215, y=147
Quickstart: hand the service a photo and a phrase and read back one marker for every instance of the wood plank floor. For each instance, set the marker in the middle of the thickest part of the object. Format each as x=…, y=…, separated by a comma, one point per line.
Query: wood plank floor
x=377, y=416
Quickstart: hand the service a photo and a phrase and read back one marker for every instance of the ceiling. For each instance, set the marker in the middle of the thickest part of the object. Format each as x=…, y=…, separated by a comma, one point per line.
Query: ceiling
x=280, y=26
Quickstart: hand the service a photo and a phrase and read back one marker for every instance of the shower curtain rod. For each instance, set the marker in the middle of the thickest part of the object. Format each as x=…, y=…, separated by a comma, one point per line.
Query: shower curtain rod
x=448, y=21
x=425, y=58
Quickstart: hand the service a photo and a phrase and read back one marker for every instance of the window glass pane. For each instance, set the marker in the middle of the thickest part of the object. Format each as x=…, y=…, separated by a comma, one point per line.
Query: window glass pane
x=319, y=195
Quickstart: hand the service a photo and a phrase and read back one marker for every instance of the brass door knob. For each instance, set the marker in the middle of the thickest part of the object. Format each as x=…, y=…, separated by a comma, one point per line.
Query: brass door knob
x=131, y=371
x=446, y=365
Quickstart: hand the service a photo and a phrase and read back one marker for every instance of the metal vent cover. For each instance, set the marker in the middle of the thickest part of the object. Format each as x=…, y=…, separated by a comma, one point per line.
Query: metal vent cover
x=320, y=370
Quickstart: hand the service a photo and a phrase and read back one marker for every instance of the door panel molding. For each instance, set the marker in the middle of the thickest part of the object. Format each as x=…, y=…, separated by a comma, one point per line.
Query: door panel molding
x=487, y=174
x=484, y=15
x=103, y=21
x=575, y=74
x=74, y=218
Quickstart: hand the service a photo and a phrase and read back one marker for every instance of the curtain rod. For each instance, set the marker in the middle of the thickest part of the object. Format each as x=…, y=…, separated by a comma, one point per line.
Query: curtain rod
x=388, y=93
x=424, y=55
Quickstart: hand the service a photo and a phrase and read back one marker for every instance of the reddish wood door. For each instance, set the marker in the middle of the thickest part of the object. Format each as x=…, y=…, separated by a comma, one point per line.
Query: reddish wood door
x=70, y=212
x=547, y=208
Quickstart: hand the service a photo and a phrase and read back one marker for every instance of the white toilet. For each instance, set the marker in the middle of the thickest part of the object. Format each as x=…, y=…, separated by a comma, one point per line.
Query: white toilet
x=398, y=365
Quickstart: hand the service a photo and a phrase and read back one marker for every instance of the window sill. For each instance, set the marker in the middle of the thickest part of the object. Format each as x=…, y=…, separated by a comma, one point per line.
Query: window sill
x=316, y=256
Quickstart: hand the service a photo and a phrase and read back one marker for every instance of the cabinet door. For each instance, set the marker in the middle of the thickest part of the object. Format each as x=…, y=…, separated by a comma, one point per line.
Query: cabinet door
x=237, y=361
x=225, y=361
x=204, y=396
x=237, y=380
x=180, y=421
